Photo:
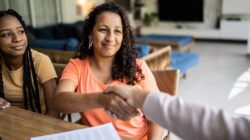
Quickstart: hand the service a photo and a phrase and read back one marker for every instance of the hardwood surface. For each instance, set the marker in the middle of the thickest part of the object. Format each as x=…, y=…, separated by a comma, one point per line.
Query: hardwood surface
x=20, y=124
x=58, y=56
x=167, y=81
x=159, y=59
x=174, y=45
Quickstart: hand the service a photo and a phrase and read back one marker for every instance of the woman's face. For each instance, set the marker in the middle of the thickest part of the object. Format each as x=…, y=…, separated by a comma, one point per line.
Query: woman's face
x=13, y=39
x=107, y=34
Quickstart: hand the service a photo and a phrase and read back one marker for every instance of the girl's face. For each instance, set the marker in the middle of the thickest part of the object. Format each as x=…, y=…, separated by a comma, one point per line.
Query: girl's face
x=107, y=34
x=13, y=39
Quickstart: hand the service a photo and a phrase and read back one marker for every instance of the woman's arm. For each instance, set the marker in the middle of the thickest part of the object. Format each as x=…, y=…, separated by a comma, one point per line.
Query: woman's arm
x=68, y=101
x=49, y=88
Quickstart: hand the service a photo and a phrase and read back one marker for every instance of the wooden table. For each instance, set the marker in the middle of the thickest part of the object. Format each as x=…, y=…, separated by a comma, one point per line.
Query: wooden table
x=20, y=124
x=17, y=123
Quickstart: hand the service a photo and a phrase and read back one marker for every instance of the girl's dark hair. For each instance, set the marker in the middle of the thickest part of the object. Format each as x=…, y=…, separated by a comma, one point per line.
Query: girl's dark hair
x=124, y=66
x=30, y=81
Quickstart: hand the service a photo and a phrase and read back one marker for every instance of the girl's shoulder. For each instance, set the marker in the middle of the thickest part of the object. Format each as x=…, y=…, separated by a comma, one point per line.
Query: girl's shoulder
x=39, y=57
x=38, y=54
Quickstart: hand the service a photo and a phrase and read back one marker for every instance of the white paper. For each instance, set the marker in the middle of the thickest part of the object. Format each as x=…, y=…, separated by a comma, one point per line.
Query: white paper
x=102, y=132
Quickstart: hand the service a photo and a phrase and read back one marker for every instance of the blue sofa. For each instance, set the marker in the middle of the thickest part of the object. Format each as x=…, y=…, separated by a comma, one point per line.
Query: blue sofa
x=181, y=56
x=142, y=49
x=179, y=60
x=70, y=44
x=58, y=37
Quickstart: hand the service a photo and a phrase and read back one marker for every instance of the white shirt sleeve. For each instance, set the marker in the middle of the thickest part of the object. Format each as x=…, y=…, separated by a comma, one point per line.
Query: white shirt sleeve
x=192, y=121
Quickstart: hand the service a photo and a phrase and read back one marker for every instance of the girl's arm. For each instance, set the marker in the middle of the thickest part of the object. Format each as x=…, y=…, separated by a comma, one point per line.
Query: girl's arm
x=49, y=88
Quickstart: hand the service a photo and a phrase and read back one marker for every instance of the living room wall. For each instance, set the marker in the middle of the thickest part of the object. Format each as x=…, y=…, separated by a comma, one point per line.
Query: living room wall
x=212, y=12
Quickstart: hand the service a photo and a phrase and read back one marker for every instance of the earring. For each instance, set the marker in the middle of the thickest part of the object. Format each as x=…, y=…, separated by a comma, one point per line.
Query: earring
x=90, y=44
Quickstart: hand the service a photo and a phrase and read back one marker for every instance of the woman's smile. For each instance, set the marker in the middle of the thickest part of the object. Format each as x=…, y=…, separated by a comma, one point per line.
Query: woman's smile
x=108, y=45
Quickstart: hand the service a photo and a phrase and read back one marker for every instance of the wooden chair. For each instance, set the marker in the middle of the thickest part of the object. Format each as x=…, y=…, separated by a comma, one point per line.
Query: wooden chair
x=58, y=56
x=167, y=81
x=159, y=59
x=59, y=69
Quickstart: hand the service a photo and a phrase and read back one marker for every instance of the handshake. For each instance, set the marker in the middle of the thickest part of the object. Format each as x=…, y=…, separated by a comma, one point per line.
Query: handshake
x=125, y=101
x=120, y=101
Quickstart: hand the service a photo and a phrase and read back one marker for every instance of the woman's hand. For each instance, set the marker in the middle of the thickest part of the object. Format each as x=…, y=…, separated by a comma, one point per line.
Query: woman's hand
x=117, y=107
x=133, y=95
x=4, y=104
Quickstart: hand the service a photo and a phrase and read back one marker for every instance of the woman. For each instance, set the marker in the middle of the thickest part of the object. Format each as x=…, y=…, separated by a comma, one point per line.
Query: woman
x=107, y=57
x=27, y=77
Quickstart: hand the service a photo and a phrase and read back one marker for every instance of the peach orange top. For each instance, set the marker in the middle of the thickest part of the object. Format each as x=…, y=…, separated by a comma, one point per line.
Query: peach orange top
x=80, y=73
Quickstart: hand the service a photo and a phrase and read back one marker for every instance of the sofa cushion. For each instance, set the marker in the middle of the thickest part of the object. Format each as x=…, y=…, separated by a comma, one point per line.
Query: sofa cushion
x=59, y=31
x=71, y=45
x=183, y=60
x=78, y=26
x=67, y=44
x=45, y=32
x=142, y=49
x=31, y=31
x=64, y=31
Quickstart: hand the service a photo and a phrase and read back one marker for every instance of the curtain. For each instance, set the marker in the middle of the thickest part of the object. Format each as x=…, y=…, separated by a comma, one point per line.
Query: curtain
x=45, y=12
x=2, y=5
x=21, y=6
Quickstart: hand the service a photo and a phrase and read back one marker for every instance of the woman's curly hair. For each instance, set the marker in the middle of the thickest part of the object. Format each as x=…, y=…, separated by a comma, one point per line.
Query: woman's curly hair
x=124, y=65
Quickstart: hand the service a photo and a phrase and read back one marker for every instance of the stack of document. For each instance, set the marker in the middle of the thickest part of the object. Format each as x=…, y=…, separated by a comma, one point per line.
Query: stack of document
x=102, y=132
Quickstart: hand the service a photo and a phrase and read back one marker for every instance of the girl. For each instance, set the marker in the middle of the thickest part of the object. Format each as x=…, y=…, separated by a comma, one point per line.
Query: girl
x=27, y=77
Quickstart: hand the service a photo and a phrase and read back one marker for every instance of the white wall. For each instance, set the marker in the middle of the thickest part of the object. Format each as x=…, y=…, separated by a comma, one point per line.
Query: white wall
x=243, y=7
x=69, y=11
x=248, y=42
x=212, y=10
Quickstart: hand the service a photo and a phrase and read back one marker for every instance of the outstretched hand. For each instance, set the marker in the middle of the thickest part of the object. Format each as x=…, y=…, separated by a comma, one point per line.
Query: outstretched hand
x=4, y=104
x=117, y=107
x=131, y=94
